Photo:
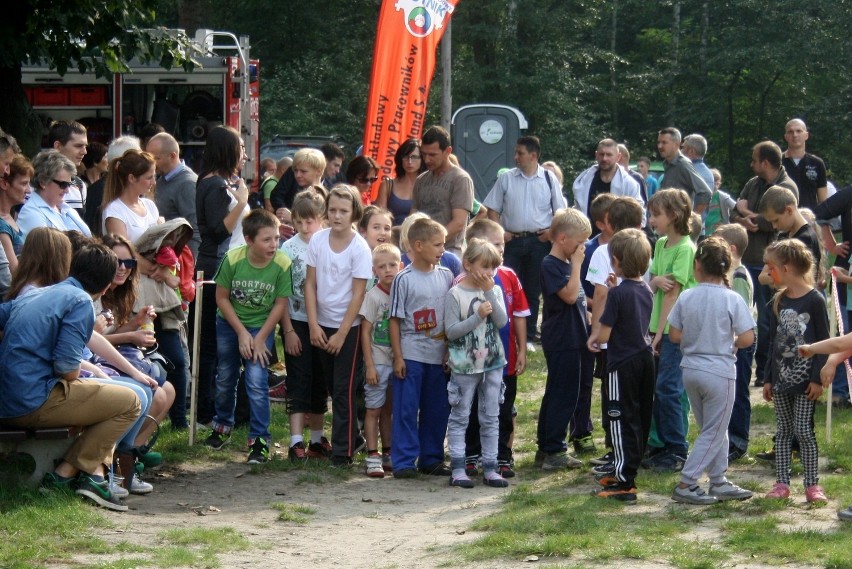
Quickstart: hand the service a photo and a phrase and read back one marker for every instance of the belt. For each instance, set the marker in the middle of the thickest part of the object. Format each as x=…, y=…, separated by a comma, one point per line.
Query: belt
x=524, y=233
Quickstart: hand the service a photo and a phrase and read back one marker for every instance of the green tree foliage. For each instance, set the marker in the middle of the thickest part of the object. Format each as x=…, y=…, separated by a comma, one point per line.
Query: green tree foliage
x=89, y=35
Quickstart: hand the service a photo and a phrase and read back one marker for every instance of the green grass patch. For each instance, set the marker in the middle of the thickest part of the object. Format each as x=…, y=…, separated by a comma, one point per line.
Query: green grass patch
x=294, y=513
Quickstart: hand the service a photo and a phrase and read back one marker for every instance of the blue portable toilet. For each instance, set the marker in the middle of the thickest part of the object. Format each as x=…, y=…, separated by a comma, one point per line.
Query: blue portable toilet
x=483, y=138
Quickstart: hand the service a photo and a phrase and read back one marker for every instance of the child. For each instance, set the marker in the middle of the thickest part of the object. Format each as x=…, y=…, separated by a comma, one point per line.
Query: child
x=376, y=226
x=736, y=236
x=306, y=172
x=563, y=336
x=420, y=406
x=779, y=207
x=448, y=259
x=252, y=286
x=339, y=265
x=378, y=359
x=720, y=206
x=839, y=350
x=629, y=396
x=623, y=213
x=710, y=322
x=798, y=316
x=306, y=389
x=514, y=338
x=474, y=312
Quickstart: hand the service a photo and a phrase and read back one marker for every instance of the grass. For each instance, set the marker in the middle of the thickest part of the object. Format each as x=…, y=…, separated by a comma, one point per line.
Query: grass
x=294, y=513
x=553, y=516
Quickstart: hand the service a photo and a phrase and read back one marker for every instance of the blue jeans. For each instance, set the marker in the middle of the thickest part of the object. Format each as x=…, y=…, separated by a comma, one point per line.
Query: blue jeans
x=256, y=378
x=668, y=411
x=524, y=255
x=840, y=385
x=762, y=295
x=145, y=395
x=171, y=346
x=741, y=415
x=420, y=412
x=489, y=387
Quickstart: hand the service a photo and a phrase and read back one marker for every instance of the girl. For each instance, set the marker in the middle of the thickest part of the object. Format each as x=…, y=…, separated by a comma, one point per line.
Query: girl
x=798, y=316
x=339, y=264
x=671, y=272
x=375, y=226
x=14, y=189
x=45, y=260
x=126, y=212
x=221, y=199
x=474, y=313
x=709, y=322
x=397, y=194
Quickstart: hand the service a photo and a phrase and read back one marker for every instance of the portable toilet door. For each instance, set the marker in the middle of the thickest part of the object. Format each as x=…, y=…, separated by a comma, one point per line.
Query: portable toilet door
x=483, y=138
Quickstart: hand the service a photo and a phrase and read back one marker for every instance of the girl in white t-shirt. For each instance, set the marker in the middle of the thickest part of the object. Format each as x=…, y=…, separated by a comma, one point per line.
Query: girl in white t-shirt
x=125, y=212
x=339, y=265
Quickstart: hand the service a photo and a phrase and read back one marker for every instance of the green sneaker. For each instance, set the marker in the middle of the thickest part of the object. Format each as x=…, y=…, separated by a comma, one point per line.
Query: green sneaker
x=52, y=482
x=259, y=451
x=97, y=491
x=585, y=445
x=151, y=459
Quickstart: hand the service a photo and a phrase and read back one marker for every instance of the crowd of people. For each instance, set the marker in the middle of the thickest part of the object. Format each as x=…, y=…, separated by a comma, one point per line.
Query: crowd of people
x=411, y=307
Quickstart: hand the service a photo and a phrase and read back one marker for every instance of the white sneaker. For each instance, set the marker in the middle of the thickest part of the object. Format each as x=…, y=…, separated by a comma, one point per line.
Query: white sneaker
x=117, y=490
x=530, y=347
x=729, y=491
x=139, y=486
x=374, y=466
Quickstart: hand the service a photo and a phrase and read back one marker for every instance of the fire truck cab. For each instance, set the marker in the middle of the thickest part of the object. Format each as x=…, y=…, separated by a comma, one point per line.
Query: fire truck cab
x=223, y=90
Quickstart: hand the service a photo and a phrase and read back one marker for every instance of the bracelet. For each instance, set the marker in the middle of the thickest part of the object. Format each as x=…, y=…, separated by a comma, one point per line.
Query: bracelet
x=288, y=331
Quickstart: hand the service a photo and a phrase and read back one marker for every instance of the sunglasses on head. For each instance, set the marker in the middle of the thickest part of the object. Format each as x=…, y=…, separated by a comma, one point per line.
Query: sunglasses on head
x=127, y=263
x=367, y=180
x=63, y=185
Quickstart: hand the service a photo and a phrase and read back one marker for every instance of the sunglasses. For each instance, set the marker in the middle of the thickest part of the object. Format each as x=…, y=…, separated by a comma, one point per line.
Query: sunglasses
x=63, y=185
x=366, y=180
x=127, y=263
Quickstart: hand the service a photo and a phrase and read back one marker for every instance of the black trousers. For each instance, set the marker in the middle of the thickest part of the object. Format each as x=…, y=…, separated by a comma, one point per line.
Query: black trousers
x=342, y=378
x=629, y=404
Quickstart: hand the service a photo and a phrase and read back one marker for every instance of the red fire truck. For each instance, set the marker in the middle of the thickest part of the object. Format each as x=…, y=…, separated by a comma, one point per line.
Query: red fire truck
x=223, y=89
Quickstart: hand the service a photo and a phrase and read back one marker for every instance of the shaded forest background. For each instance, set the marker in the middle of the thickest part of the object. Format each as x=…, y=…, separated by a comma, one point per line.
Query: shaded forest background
x=579, y=70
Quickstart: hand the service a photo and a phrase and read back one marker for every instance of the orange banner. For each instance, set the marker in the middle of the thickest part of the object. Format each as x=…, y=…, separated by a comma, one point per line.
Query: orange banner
x=403, y=65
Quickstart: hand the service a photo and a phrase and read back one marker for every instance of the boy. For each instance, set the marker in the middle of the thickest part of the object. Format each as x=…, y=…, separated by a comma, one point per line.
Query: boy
x=420, y=405
x=378, y=359
x=252, y=286
x=513, y=335
x=563, y=336
x=304, y=395
x=630, y=362
x=737, y=238
x=779, y=207
x=306, y=171
x=623, y=213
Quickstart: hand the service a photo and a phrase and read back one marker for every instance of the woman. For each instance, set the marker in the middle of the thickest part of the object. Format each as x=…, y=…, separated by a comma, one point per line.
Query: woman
x=126, y=212
x=14, y=189
x=95, y=163
x=396, y=195
x=46, y=207
x=221, y=199
x=362, y=173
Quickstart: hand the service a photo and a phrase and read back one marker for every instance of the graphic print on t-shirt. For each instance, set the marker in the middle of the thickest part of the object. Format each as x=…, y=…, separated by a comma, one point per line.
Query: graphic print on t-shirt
x=425, y=320
x=790, y=334
x=381, y=332
x=250, y=293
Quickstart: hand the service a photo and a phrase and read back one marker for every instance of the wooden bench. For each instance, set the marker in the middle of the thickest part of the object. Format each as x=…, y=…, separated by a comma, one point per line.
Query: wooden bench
x=43, y=446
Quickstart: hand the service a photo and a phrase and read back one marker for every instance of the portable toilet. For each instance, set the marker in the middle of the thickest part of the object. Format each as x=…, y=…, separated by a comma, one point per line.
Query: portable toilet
x=483, y=138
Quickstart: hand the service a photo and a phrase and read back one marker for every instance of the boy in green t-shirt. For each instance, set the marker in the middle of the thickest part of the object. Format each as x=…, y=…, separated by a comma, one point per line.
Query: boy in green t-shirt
x=252, y=286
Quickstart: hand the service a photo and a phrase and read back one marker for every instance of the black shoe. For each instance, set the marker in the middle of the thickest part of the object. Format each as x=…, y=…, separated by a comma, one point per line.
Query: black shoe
x=607, y=468
x=341, y=461
x=217, y=440
x=620, y=492
x=605, y=459
x=405, y=473
x=437, y=469
x=734, y=453
x=759, y=381
x=259, y=452
x=669, y=462
x=766, y=456
x=534, y=337
x=504, y=469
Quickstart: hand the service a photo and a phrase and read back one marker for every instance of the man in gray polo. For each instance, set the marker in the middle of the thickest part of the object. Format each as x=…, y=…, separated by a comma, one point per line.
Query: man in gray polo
x=694, y=147
x=680, y=173
x=523, y=201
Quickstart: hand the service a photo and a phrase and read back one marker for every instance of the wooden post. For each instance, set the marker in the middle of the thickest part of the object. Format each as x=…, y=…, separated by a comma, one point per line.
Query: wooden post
x=193, y=397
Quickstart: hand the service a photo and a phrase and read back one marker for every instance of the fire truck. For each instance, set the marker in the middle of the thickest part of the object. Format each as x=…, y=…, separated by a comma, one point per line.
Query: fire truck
x=223, y=89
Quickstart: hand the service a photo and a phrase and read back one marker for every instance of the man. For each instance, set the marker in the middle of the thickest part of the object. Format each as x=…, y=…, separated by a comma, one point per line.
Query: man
x=175, y=184
x=8, y=148
x=45, y=333
x=766, y=165
x=523, y=201
x=694, y=147
x=651, y=183
x=116, y=149
x=444, y=192
x=680, y=173
x=606, y=176
x=807, y=170
x=333, y=162
x=624, y=162
x=70, y=139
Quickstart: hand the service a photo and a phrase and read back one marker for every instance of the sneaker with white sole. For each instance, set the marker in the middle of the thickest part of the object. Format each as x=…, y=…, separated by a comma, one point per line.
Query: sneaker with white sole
x=845, y=515
x=729, y=491
x=605, y=459
x=374, y=467
x=97, y=491
x=139, y=486
x=560, y=460
x=693, y=495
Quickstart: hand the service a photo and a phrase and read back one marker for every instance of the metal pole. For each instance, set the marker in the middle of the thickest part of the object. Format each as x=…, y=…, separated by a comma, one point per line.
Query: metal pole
x=447, y=77
x=196, y=335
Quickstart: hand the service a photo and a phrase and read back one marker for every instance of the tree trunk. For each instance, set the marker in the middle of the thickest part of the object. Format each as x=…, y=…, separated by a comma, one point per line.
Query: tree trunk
x=16, y=116
x=705, y=30
x=612, y=76
x=675, y=63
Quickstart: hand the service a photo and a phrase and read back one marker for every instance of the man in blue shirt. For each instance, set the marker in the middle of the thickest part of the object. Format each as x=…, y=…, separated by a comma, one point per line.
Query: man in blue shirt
x=43, y=338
